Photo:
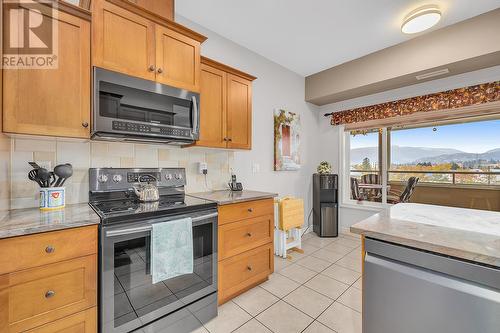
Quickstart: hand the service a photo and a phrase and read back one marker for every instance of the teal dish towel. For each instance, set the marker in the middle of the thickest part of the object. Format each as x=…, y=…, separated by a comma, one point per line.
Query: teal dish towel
x=171, y=249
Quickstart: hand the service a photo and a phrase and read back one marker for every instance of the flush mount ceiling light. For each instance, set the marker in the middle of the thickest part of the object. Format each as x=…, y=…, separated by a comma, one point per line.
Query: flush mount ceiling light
x=421, y=19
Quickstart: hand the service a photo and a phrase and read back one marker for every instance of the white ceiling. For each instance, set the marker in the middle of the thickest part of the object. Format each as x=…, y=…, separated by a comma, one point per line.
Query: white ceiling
x=307, y=36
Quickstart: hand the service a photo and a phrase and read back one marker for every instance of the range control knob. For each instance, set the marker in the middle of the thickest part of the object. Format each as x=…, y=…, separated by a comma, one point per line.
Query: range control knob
x=178, y=176
x=102, y=178
x=117, y=178
x=168, y=176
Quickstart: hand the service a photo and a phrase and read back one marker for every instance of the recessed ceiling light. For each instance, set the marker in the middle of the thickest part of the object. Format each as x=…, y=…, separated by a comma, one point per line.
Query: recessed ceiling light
x=421, y=19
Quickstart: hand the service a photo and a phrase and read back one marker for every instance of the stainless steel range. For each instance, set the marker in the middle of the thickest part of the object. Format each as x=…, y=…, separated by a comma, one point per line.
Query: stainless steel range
x=129, y=301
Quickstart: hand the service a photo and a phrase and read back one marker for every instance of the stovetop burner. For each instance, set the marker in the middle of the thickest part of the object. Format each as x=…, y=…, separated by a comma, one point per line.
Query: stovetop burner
x=128, y=206
x=117, y=210
x=112, y=197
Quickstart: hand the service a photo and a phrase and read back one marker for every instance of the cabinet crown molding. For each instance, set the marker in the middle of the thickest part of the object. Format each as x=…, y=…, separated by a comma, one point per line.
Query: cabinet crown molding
x=226, y=68
x=132, y=7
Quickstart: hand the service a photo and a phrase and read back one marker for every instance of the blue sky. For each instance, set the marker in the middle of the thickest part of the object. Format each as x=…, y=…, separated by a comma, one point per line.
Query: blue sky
x=476, y=137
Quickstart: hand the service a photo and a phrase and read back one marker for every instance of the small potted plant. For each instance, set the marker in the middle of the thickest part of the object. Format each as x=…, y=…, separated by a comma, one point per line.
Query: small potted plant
x=324, y=168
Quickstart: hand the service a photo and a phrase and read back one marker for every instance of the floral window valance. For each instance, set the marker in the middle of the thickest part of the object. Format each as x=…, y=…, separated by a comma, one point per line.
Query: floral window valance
x=451, y=99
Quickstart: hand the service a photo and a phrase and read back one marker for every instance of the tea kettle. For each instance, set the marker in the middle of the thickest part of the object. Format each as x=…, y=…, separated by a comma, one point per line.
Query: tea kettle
x=147, y=192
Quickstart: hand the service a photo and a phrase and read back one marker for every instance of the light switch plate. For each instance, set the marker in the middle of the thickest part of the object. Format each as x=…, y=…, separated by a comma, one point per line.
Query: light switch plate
x=255, y=167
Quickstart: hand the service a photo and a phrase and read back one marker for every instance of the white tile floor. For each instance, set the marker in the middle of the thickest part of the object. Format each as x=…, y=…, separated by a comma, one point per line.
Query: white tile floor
x=317, y=292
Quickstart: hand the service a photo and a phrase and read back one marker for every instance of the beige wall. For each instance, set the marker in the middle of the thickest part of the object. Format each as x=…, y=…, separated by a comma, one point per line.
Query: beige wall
x=476, y=198
x=466, y=46
x=16, y=153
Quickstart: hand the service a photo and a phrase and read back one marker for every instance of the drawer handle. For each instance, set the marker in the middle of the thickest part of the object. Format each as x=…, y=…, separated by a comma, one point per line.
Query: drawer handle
x=249, y=234
x=50, y=249
x=50, y=293
x=249, y=268
x=250, y=210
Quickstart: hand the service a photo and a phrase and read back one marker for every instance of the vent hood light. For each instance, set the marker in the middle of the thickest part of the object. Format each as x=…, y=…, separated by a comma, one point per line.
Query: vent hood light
x=432, y=74
x=421, y=19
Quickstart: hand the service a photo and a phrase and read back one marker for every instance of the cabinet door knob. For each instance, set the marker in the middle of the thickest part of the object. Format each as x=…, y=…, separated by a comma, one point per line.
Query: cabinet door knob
x=50, y=293
x=249, y=234
x=250, y=210
x=249, y=268
x=85, y=124
x=229, y=139
x=160, y=70
x=151, y=68
x=50, y=249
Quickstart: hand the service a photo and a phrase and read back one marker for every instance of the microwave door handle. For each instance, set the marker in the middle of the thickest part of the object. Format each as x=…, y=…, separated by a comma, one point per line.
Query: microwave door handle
x=148, y=227
x=196, y=115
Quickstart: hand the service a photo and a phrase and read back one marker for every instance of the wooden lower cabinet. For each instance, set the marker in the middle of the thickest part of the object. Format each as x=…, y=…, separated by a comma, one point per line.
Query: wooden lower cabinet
x=241, y=272
x=245, y=246
x=82, y=322
x=236, y=238
x=53, y=296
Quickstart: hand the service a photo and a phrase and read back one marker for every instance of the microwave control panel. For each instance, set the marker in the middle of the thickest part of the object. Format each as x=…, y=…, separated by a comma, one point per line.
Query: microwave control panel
x=150, y=129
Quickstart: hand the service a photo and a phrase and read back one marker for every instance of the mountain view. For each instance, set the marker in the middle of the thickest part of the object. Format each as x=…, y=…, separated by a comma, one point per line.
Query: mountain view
x=402, y=155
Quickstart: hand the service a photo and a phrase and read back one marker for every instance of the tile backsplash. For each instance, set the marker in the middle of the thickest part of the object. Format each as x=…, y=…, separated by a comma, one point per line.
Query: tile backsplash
x=16, y=191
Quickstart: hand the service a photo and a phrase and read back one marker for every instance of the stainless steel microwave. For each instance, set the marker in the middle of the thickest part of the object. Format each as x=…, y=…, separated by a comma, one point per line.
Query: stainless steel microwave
x=127, y=108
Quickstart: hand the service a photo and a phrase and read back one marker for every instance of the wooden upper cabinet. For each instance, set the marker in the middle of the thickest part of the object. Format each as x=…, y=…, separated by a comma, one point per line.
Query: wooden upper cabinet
x=122, y=40
x=128, y=39
x=177, y=59
x=239, y=112
x=225, y=106
x=53, y=102
x=212, y=107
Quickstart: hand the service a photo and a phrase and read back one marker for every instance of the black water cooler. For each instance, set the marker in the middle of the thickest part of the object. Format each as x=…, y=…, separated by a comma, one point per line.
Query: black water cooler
x=325, y=205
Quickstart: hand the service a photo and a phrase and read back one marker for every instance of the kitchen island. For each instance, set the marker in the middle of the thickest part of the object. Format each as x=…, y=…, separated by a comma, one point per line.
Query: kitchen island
x=423, y=260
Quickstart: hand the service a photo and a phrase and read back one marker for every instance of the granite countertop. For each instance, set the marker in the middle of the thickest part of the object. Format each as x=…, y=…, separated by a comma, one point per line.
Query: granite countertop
x=458, y=232
x=19, y=222
x=226, y=197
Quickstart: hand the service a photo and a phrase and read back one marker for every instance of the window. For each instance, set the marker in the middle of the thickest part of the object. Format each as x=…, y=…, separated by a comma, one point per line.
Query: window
x=386, y=165
x=456, y=154
x=365, y=167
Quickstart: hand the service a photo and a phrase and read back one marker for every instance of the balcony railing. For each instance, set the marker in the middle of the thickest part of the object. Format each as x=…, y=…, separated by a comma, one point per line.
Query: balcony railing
x=452, y=177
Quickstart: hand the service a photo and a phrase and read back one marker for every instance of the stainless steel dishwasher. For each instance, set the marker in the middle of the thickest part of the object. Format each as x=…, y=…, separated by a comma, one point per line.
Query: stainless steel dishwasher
x=412, y=291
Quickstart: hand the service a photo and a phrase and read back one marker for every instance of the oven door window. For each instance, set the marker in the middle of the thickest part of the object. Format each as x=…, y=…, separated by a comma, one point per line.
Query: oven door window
x=135, y=296
x=125, y=103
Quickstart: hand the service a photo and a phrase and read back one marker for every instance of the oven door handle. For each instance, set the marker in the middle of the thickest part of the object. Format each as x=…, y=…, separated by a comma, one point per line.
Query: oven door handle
x=128, y=231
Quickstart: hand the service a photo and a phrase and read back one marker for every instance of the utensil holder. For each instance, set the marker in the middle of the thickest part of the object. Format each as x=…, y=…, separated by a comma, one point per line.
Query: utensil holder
x=52, y=198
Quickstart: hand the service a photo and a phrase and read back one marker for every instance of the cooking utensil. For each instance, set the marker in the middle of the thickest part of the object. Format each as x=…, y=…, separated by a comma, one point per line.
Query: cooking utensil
x=44, y=176
x=52, y=178
x=63, y=172
x=32, y=175
x=34, y=165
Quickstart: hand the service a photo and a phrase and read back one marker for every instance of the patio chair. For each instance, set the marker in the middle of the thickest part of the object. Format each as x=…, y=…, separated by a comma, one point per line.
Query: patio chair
x=371, y=178
x=355, y=194
x=399, y=197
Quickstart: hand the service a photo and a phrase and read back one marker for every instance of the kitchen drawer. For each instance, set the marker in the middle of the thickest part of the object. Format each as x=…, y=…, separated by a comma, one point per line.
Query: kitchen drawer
x=244, y=235
x=245, y=210
x=243, y=271
x=82, y=322
x=37, y=296
x=45, y=248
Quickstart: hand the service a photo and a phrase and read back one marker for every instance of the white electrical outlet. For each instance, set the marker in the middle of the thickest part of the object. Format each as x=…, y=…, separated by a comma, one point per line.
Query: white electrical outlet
x=203, y=168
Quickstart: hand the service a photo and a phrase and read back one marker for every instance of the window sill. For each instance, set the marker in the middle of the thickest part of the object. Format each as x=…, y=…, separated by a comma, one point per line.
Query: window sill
x=373, y=207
